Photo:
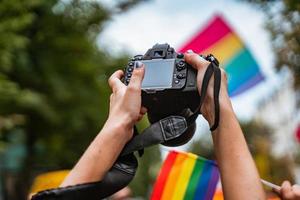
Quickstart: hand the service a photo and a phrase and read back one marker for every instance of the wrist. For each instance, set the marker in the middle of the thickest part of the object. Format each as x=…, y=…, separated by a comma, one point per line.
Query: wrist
x=208, y=108
x=122, y=127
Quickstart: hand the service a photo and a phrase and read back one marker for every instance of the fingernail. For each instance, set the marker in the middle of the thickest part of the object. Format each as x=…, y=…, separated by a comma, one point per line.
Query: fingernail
x=138, y=64
x=190, y=51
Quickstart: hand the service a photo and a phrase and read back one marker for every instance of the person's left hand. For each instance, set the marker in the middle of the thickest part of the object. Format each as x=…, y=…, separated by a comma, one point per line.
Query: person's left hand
x=125, y=101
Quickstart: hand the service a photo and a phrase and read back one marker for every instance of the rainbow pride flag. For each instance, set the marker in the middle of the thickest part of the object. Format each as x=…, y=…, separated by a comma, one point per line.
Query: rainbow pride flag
x=186, y=176
x=220, y=40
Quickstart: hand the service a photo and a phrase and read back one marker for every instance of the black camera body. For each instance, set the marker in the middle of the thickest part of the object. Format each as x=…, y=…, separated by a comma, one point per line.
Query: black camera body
x=170, y=84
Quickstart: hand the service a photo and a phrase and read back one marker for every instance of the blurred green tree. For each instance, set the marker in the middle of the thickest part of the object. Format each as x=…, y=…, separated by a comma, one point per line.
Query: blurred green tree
x=53, y=81
x=273, y=168
x=283, y=22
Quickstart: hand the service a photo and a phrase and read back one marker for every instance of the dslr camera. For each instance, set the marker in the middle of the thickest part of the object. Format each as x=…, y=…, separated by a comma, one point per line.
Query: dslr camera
x=169, y=86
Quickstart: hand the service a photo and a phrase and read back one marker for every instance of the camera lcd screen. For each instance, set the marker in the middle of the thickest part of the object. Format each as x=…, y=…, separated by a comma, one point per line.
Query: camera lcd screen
x=158, y=73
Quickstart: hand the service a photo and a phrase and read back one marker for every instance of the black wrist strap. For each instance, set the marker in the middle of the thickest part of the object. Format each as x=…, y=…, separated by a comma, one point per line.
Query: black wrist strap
x=212, y=68
x=217, y=86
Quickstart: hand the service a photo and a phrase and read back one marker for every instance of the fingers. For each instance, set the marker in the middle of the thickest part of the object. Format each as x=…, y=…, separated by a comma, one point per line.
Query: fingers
x=296, y=190
x=286, y=191
x=137, y=76
x=114, y=80
x=140, y=117
x=143, y=110
x=195, y=60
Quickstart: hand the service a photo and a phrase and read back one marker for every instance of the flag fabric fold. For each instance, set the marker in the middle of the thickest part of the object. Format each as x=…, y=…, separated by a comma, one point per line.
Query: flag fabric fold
x=186, y=176
x=219, y=39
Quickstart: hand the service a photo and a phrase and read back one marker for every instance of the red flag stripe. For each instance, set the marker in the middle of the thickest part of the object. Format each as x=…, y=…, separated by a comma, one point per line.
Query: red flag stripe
x=214, y=31
x=163, y=176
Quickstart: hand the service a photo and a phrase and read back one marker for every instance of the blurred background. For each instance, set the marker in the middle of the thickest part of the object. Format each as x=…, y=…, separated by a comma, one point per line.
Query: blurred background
x=56, y=57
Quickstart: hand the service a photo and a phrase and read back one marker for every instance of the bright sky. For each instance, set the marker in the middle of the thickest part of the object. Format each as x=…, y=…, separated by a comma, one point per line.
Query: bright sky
x=174, y=21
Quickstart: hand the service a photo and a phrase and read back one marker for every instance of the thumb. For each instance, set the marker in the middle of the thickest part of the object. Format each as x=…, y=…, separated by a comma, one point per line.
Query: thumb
x=286, y=190
x=137, y=75
x=195, y=60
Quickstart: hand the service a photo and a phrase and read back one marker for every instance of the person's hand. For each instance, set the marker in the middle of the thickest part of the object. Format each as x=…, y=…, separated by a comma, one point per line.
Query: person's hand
x=201, y=65
x=125, y=101
x=289, y=192
x=124, y=111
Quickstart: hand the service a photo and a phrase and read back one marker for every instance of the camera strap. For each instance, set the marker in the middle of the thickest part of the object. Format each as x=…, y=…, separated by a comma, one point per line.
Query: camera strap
x=118, y=177
x=212, y=69
x=123, y=171
x=162, y=131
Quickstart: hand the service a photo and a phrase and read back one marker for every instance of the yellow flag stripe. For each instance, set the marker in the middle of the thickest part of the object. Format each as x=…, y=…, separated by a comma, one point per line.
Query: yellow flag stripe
x=173, y=176
x=225, y=48
x=184, y=177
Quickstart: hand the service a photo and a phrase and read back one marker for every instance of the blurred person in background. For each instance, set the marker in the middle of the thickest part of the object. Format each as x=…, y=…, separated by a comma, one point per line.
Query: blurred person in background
x=289, y=192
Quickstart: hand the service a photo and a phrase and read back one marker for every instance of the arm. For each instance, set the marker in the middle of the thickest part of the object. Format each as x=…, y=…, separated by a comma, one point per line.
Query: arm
x=239, y=176
x=125, y=110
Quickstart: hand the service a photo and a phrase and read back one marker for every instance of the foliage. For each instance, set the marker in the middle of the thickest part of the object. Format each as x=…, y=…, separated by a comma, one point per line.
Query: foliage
x=273, y=168
x=53, y=80
x=283, y=23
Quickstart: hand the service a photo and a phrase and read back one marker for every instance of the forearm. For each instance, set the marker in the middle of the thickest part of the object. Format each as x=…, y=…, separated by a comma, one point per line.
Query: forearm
x=100, y=155
x=240, y=179
x=125, y=111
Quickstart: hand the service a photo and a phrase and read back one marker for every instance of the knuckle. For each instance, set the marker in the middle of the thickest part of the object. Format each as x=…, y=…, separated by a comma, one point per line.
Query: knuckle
x=200, y=62
x=110, y=81
x=193, y=56
x=137, y=73
x=132, y=88
x=194, y=59
x=133, y=116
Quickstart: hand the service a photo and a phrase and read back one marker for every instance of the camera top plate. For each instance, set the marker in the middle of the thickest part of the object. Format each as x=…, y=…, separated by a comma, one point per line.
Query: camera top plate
x=162, y=62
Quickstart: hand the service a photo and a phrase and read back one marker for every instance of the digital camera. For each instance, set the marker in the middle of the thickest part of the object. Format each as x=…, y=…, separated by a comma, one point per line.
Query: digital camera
x=169, y=86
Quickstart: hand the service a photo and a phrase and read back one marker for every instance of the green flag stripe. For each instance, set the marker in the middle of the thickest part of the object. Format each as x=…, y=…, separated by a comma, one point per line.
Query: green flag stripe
x=193, y=182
